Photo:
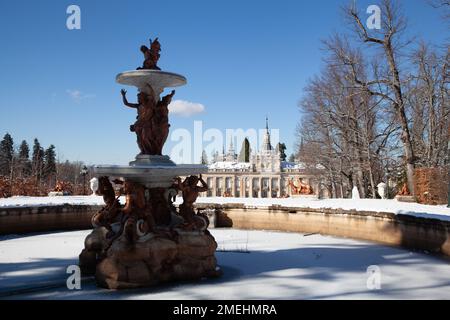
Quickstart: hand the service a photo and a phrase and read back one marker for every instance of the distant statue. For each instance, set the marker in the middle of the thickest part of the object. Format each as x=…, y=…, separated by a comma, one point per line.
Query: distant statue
x=151, y=55
x=62, y=188
x=404, y=190
x=93, y=184
x=305, y=188
x=355, y=193
x=58, y=187
x=381, y=188
x=300, y=188
x=190, y=189
x=152, y=125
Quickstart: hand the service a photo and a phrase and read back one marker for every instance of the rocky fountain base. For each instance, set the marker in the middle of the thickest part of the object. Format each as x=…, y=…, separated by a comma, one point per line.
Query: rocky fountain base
x=168, y=256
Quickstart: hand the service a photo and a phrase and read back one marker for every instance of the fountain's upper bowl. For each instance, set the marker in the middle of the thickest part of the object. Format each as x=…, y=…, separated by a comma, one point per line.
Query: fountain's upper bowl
x=154, y=78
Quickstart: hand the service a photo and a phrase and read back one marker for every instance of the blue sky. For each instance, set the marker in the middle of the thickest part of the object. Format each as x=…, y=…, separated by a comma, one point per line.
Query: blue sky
x=243, y=60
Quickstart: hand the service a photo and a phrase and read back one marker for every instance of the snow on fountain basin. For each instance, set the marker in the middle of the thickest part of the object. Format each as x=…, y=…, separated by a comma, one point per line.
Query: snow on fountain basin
x=256, y=265
x=389, y=206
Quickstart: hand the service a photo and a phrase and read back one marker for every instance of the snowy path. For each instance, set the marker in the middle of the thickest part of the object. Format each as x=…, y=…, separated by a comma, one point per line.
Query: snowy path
x=390, y=206
x=256, y=264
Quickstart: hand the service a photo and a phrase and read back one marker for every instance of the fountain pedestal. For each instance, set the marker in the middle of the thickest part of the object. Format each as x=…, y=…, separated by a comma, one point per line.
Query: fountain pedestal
x=147, y=240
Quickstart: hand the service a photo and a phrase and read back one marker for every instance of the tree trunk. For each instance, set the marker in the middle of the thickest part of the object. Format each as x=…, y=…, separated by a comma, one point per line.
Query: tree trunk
x=400, y=108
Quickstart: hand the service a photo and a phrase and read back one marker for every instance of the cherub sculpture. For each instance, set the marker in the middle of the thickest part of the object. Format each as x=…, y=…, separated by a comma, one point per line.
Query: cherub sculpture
x=151, y=55
x=110, y=213
x=190, y=190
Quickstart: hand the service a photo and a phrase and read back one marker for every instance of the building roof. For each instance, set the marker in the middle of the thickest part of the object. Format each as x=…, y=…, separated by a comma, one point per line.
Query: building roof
x=292, y=165
x=230, y=165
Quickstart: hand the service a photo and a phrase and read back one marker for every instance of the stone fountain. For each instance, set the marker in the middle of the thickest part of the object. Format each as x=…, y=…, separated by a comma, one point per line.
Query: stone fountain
x=147, y=240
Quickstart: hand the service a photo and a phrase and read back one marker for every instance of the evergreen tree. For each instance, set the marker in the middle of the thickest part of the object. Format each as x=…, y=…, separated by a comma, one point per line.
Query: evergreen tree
x=49, y=168
x=6, y=154
x=244, y=155
x=24, y=159
x=24, y=150
x=215, y=156
x=204, y=159
x=281, y=148
x=37, y=163
x=292, y=158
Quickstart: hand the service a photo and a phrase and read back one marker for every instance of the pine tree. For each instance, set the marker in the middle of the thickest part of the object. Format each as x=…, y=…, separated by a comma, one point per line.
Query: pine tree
x=37, y=163
x=204, y=159
x=6, y=154
x=24, y=150
x=244, y=155
x=49, y=169
x=281, y=148
x=292, y=158
x=24, y=159
x=215, y=156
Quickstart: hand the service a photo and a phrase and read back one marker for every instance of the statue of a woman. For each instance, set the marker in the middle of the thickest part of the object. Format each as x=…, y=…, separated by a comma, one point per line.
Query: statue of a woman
x=143, y=126
x=160, y=122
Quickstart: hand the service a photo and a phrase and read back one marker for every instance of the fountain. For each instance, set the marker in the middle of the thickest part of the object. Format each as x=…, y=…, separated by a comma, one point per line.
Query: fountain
x=147, y=241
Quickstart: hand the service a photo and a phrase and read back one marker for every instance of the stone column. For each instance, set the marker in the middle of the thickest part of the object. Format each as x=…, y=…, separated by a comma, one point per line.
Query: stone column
x=269, y=195
x=251, y=187
x=288, y=188
x=279, y=187
x=241, y=187
x=213, y=186
x=260, y=187
x=216, y=186
x=316, y=188
x=221, y=186
x=233, y=186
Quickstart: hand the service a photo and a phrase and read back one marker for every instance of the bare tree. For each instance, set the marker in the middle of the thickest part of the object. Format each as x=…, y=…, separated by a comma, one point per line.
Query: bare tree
x=375, y=111
x=389, y=84
x=341, y=128
x=429, y=102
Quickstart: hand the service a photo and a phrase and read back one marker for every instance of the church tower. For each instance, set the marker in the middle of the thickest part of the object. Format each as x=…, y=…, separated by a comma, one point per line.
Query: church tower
x=267, y=160
x=231, y=154
x=266, y=146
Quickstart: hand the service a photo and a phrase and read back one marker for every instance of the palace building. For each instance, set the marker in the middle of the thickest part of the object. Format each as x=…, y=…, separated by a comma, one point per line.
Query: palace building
x=265, y=175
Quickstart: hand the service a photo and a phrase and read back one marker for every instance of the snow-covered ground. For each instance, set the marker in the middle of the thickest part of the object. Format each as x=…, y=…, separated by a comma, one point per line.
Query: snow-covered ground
x=392, y=206
x=21, y=201
x=374, y=205
x=256, y=265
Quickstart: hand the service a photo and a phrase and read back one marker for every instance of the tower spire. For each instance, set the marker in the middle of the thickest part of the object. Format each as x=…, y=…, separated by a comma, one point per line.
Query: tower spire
x=266, y=142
